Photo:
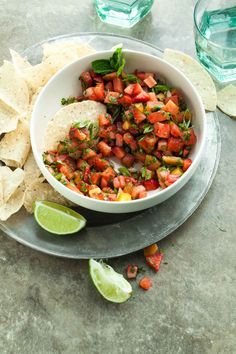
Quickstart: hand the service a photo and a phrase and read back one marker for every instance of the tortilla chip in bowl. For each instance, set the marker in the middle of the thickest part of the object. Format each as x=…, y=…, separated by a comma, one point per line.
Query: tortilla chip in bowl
x=49, y=116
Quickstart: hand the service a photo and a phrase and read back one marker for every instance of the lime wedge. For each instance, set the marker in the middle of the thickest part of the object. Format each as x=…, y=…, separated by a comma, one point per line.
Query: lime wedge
x=111, y=285
x=58, y=219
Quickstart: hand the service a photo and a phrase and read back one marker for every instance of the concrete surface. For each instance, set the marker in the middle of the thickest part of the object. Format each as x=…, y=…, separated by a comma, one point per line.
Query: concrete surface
x=48, y=305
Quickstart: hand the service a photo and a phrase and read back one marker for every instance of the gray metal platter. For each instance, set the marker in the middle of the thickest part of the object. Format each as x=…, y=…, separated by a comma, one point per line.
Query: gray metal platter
x=113, y=235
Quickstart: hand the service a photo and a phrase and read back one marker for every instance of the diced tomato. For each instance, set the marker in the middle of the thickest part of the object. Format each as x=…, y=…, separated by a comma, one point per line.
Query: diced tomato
x=158, y=116
x=104, y=182
x=125, y=100
x=143, y=75
x=171, y=107
x=175, y=130
x=119, y=152
x=96, y=77
x=150, y=250
x=175, y=144
x=104, y=119
x=86, y=78
x=145, y=283
x=171, y=178
x=95, y=177
x=141, y=97
x=119, y=140
x=66, y=171
x=189, y=137
x=151, y=184
x=133, y=89
x=140, y=156
x=86, y=174
x=128, y=138
x=90, y=94
x=137, y=190
x=162, y=130
x=119, y=182
x=118, y=85
x=108, y=174
x=88, y=153
x=173, y=98
x=110, y=76
x=150, y=81
x=153, y=104
x=152, y=97
x=128, y=160
x=100, y=164
x=179, y=117
x=104, y=148
x=77, y=133
x=112, y=97
x=131, y=271
x=154, y=261
x=138, y=115
x=148, y=142
x=72, y=187
x=187, y=163
x=99, y=91
x=109, y=86
x=162, y=145
x=185, y=152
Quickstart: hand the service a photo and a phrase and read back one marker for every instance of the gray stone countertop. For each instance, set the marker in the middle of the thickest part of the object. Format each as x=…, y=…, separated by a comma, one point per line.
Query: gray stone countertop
x=49, y=305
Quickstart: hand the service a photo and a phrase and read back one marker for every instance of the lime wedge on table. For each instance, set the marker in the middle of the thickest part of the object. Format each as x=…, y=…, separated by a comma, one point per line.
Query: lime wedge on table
x=111, y=285
x=57, y=218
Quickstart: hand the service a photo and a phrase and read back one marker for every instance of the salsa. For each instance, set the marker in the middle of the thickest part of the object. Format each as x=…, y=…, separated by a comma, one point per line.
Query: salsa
x=147, y=129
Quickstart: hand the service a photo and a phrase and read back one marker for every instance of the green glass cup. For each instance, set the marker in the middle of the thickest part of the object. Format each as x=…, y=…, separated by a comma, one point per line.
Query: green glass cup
x=215, y=37
x=124, y=13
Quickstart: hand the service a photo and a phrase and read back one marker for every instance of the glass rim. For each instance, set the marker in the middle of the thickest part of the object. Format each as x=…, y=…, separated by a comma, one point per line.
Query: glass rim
x=200, y=32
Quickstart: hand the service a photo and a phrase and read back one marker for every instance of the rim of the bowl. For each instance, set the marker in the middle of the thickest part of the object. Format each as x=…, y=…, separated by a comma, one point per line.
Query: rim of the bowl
x=200, y=32
x=195, y=162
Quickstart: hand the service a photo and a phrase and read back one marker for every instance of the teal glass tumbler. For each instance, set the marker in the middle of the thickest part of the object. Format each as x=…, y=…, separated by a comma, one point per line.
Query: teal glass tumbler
x=124, y=13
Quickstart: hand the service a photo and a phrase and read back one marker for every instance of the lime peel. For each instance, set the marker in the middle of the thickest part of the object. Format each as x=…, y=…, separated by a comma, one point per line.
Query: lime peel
x=58, y=219
x=110, y=284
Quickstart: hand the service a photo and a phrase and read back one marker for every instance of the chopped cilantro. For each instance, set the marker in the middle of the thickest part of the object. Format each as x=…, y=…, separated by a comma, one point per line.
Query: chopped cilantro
x=148, y=128
x=69, y=100
x=131, y=78
x=124, y=171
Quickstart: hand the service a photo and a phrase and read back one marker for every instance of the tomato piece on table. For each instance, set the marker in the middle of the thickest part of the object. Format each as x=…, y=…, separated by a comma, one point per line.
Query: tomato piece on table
x=145, y=283
x=154, y=260
x=150, y=250
x=131, y=271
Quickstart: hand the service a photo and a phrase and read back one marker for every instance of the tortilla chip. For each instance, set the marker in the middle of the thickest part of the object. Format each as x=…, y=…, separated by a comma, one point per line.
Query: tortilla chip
x=1, y=191
x=19, y=62
x=37, y=76
x=59, y=125
x=13, y=204
x=198, y=76
x=15, y=146
x=42, y=191
x=60, y=54
x=227, y=100
x=32, y=172
x=8, y=118
x=13, y=89
x=10, y=181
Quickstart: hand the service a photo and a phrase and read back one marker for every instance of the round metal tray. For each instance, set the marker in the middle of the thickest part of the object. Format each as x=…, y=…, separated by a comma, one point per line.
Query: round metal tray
x=112, y=235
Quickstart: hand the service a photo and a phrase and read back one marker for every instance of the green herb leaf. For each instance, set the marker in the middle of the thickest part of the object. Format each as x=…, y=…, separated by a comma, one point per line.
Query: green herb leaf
x=124, y=171
x=117, y=61
x=102, y=66
x=148, y=128
x=161, y=88
x=69, y=100
x=131, y=78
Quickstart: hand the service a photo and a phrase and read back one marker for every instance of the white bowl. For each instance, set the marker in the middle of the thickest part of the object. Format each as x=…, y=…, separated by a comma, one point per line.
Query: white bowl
x=65, y=83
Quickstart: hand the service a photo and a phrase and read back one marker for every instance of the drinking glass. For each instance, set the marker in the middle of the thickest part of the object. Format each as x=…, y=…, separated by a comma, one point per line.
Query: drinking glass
x=215, y=37
x=125, y=13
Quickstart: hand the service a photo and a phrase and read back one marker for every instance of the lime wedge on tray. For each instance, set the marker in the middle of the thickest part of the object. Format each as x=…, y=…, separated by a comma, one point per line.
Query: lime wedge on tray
x=58, y=219
x=111, y=285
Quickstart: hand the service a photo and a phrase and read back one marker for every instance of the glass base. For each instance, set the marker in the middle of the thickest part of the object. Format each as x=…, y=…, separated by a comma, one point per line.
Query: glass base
x=123, y=14
x=219, y=74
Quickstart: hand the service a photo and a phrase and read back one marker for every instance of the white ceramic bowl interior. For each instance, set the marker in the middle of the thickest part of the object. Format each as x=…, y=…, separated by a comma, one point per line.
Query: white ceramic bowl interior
x=65, y=83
